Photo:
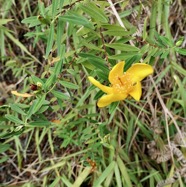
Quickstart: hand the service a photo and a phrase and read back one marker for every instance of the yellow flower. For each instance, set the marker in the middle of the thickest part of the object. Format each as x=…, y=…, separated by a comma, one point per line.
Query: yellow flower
x=123, y=84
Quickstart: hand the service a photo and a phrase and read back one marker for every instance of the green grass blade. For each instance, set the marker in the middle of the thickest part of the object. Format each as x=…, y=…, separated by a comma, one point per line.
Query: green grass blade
x=81, y=177
x=124, y=172
x=104, y=174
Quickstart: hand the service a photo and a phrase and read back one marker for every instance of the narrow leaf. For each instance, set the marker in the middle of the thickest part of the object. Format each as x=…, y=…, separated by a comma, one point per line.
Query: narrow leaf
x=5, y=21
x=93, y=11
x=50, y=81
x=20, y=45
x=55, y=4
x=58, y=67
x=60, y=95
x=82, y=176
x=105, y=173
x=124, y=172
x=31, y=21
x=122, y=47
x=36, y=105
x=181, y=51
x=77, y=19
x=39, y=123
x=50, y=40
x=14, y=119
x=69, y=85
x=4, y=147
x=16, y=108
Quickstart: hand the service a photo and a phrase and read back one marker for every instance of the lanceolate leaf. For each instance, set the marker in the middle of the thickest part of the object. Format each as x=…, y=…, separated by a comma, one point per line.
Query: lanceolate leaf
x=14, y=119
x=181, y=51
x=60, y=95
x=69, y=85
x=50, y=39
x=16, y=108
x=77, y=19
x=50, y=81
x=122, y=47
x=36, y=106
x=31, y=21
x=4, y=147
x=40, y=123
x=105, y=174
x=93, y=11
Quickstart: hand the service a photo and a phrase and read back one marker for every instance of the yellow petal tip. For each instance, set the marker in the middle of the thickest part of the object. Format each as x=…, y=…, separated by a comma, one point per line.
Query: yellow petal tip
x=21, y=94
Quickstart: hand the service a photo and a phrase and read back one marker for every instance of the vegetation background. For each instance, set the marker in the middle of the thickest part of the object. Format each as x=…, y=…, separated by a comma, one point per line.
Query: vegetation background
x=58, y=136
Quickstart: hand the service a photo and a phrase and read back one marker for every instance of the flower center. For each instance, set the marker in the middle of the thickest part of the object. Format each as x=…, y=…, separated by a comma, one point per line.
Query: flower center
x=123, y=84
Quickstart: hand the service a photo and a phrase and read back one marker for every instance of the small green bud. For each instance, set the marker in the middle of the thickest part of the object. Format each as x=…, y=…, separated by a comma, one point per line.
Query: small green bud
x=39, y=84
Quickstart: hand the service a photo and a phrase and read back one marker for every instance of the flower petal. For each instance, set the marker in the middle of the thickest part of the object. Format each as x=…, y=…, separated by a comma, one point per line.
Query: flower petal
x=139, y=71
x=108, y=99
x=105, y=89
x=136, y=92
x=116, y=72
x=21, y=94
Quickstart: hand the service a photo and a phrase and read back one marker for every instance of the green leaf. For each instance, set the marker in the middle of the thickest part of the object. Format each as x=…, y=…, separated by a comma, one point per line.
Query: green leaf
x=50, y=40
x=31, y=21
x=41, y=8
x=77, y=19
x=101, y=75
x=104, y=174
x=14, y=119
x=99, y=65
x=37, y=103
x=5, y=21
x=17, y=131
x=178, y=68
x=58, y=67
x=95, y=61
x=165, y=54
x=40, y=123
x=82, y=176
x=60, y=33
x=61, y=2
x=93, y=11
x=16, y=108
x=144, y=34
x=4, y=159
x=36, y=80
x=91, y=46
x=122, y=47
x=42, y=109
x=181, y=51
x=51, y=80
x=113, y=107
x=117, y=33
x=124, y=172
x=60, y=95
x=55, y=4
x=122, y=56
x=166, y=41
x=180, y=41
x=182, y=91
x=115, y=30
x=69, y=85
x=20, y=45
x=4, y=147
